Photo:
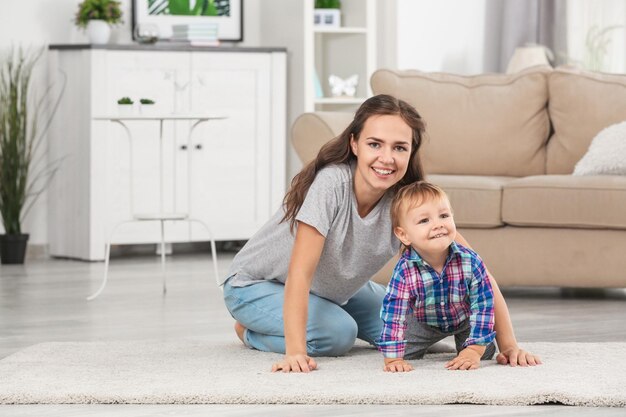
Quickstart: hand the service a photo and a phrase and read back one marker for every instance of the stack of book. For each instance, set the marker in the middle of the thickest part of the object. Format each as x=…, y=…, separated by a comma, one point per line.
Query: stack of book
x=201, y=34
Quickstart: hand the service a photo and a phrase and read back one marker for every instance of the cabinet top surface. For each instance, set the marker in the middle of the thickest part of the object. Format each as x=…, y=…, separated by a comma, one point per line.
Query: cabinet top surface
x=165, y=46
x=191, y=116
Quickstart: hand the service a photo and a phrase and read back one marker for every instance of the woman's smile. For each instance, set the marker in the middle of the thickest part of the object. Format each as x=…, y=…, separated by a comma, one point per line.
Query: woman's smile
x=383, y=172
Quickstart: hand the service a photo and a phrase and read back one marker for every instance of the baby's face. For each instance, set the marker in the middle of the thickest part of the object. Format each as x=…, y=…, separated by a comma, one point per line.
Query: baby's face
x=429, y=228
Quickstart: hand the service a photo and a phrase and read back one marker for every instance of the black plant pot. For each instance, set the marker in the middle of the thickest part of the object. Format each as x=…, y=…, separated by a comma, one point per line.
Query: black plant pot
x=13, y=248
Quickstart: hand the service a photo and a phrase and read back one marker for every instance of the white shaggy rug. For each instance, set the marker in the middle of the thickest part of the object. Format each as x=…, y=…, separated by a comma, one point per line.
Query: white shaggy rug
x=195, y=372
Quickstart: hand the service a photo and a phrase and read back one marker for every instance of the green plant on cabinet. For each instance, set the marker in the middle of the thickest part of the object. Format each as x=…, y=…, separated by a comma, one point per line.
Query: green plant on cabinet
x=109, y=11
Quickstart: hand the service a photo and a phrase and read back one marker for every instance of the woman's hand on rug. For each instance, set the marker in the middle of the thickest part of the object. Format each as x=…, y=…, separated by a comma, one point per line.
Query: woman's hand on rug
x=515, y=356
x=295, y=363
x=397, y=365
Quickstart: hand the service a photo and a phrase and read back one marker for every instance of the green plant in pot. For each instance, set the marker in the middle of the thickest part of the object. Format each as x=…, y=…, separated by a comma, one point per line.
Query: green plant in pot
x=327, y=13
x=22, y=178
x=125, y=106
x=146, y=106
x=97, y=16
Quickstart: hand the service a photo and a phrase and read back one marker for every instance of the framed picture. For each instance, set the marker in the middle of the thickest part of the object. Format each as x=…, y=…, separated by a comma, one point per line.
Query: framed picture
x=227, y=15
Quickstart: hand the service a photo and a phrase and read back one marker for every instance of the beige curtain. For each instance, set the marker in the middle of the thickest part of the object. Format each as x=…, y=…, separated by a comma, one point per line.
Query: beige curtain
x=513, y=23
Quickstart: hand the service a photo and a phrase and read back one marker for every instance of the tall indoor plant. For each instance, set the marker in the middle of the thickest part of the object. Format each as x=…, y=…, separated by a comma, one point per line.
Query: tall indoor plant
x=22, y=179
x=97, y=16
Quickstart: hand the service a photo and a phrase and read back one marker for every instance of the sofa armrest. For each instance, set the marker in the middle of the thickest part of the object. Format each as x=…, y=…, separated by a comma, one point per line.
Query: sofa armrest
x=311, y=131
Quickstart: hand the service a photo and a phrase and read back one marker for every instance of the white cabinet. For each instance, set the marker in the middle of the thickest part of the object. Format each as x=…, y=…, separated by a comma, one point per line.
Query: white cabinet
x=231, y=164
x=231, y=174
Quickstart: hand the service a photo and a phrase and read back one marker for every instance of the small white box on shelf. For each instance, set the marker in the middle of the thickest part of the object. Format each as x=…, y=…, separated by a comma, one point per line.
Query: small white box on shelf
x=327, y=17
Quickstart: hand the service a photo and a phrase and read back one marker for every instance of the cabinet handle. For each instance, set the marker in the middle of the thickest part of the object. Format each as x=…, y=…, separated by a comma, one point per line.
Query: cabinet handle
x=183, y=147
x=198, y=146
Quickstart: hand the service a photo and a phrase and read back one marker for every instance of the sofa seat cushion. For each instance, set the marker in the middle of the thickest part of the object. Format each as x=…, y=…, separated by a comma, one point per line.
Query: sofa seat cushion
x=597, y=201
x=489, y=124
x=476, y=200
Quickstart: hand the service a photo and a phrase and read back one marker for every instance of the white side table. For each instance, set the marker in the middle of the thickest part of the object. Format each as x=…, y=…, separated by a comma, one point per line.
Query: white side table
x=160, y=216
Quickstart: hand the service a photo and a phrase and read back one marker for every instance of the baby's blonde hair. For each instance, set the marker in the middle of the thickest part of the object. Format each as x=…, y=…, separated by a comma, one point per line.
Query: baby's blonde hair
x=413, y=195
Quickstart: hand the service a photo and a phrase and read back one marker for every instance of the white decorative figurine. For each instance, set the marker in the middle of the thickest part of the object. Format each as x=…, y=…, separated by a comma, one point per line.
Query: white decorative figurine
x=340, y=87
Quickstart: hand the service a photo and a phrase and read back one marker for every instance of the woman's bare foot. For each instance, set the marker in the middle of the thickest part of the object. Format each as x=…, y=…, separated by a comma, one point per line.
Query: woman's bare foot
x=239, y=329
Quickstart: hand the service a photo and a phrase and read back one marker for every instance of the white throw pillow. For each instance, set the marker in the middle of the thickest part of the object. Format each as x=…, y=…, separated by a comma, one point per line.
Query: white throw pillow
x=606, y=154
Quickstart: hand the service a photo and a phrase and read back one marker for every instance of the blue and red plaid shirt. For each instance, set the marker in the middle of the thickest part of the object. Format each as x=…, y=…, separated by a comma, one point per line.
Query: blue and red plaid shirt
x=461, y=292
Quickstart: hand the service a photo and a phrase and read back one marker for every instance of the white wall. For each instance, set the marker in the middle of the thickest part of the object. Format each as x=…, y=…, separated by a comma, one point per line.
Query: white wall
x=43, y=22
x=36, y=23
x=441, y=35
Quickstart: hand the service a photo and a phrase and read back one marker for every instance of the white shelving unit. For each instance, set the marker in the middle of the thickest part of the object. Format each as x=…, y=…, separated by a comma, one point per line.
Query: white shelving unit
x=343, y=51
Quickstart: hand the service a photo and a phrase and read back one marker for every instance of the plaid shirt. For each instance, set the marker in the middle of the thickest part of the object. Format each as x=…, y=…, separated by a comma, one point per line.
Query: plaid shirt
x=461, y=292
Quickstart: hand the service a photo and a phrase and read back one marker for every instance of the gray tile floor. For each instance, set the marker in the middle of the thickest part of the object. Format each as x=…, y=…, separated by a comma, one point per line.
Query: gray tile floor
x=45, y=301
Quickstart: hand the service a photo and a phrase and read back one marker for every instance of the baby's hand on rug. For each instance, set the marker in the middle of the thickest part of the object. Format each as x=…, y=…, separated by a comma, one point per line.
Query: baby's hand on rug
x=397, y=365
x=515, y=356
x=467, y=359
x=295, y=363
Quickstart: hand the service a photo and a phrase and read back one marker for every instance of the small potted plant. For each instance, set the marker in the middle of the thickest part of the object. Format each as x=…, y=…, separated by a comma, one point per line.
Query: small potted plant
x=146, y=106
x=125, y=106
x=97, y=16
x=327, y=13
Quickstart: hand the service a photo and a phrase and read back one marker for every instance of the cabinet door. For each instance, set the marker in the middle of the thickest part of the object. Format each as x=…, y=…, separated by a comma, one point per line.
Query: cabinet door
x=231, y=163
x=163, y=77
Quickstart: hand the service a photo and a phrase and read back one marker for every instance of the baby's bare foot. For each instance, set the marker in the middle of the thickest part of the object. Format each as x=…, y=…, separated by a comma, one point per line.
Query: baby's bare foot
x=239, y=329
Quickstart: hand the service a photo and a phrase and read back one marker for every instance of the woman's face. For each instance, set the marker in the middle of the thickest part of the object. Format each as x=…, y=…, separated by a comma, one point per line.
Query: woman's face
x=382, y=151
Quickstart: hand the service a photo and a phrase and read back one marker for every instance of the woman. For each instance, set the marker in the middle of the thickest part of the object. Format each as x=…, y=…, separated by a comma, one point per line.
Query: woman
x=311, y=262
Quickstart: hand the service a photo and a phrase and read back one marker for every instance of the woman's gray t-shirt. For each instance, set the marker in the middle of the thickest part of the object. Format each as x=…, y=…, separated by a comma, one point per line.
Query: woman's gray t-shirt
x=355, y=248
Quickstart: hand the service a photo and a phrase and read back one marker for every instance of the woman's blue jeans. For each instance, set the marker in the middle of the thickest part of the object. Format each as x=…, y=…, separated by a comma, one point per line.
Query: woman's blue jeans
x=331, y=329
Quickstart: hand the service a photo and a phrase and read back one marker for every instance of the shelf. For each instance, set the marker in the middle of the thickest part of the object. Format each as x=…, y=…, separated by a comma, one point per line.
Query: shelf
x=340, y=100
x=346, y=50
x=340, y=30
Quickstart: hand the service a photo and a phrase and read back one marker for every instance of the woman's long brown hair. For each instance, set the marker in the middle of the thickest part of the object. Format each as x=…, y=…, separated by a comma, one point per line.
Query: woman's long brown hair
x=337, y=151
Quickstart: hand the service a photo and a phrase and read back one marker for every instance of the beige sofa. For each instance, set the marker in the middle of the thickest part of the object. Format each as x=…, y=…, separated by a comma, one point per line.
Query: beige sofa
x=504, y=148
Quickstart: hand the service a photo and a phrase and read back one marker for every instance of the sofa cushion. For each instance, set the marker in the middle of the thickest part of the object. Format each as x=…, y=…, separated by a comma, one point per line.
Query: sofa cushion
x=566, y=201
x=581, y=105
x=606, y=154
x=492, y=124
x=476, y=200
